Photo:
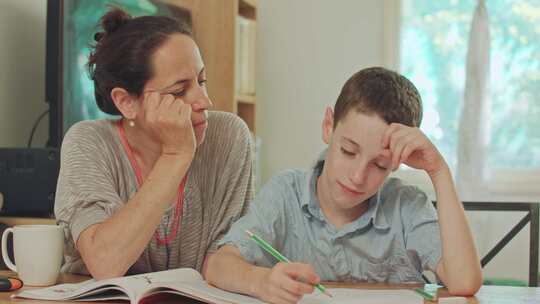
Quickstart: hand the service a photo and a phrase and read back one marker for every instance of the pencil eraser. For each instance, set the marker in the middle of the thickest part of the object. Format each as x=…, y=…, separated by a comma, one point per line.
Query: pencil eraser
x=453, y=300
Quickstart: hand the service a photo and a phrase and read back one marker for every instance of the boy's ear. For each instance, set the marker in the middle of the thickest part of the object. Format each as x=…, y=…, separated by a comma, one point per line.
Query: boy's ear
x=328, y=125
x=125, y=103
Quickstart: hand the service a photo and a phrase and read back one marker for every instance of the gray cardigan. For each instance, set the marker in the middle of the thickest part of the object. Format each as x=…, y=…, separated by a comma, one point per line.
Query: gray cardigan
x=96, y=179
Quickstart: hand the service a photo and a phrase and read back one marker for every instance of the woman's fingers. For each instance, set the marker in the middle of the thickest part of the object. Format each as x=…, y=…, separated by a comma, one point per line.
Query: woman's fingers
x=185, y=112
x=169, y=120
x=150, y=105
x=152, y=101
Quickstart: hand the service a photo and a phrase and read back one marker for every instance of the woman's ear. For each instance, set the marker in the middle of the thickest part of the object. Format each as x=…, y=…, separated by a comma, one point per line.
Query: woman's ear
x=125, y=103
x=328, y=125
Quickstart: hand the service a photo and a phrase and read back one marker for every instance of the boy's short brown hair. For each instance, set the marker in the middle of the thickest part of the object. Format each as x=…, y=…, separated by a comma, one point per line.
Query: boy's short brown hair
x=383, y=92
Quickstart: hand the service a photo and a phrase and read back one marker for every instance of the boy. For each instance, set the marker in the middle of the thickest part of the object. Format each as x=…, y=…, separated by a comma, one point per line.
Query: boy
x=343, y=220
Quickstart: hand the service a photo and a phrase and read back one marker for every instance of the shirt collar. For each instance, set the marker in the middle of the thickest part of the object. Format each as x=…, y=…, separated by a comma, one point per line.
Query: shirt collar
x=380, y=220
x=311, y=206
x=310, y=202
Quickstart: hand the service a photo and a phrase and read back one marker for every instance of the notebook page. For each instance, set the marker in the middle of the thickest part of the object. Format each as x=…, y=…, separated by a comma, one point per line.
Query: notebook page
x=364, y=296
x=201, y=290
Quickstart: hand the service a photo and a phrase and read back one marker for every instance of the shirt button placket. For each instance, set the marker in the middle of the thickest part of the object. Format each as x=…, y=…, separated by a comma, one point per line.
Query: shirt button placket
x=338, y=259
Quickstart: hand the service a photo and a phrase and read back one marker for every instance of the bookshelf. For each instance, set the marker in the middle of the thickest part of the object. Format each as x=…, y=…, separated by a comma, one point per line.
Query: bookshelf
x=228, y=52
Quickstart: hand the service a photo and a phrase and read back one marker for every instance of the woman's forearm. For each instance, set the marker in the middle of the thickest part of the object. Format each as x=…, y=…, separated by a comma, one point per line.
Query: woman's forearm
x=111, y=247
x=462, y=270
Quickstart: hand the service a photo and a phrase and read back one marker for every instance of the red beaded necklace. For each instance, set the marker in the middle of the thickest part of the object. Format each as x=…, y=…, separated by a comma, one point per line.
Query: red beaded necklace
x=179, y=202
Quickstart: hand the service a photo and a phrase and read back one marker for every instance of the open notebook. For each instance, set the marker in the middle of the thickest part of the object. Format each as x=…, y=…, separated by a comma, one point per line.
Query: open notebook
x=157, y=287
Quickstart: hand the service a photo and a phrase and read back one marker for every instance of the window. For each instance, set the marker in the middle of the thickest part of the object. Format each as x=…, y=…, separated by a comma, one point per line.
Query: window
x=434, y=37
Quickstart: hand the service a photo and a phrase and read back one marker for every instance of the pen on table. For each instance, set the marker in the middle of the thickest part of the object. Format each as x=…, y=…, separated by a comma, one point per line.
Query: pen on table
x=264, y=245
x=424, y=294
x=10, y=284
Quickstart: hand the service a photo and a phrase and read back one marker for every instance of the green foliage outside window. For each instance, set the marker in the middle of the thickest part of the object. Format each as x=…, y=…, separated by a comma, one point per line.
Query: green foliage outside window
x=434, y=38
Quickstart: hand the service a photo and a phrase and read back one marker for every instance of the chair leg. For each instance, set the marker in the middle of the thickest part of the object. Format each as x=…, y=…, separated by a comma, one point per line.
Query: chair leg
x=533, y=247
x=507, y=238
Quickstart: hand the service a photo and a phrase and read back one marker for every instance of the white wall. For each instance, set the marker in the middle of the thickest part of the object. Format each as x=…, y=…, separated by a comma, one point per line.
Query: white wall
x=306, y=49
x=22, y=71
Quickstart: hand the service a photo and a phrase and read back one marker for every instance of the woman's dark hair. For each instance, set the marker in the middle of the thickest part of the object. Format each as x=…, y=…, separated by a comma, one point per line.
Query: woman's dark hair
x=123, y=51
x=383, y=92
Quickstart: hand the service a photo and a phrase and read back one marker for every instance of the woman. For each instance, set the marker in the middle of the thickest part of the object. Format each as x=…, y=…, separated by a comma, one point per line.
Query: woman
x=159, y=187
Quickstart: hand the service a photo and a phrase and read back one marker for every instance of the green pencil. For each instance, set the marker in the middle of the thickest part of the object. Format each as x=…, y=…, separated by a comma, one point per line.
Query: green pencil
x=426, y=295
x=264, y=245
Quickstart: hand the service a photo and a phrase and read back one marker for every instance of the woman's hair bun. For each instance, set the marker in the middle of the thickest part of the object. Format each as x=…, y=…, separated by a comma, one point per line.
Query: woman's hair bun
x=112, y=21
x=98, y=36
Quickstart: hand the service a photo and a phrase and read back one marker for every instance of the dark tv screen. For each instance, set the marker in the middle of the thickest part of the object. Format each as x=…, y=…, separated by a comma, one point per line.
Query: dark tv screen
x=71, y=25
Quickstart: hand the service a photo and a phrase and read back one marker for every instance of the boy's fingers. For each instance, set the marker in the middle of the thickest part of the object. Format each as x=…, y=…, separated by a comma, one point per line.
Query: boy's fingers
x=300, y=278
x=408, y=140
x=406, y=153
x=302, y=272
x=277, y=298
x=286, y=297
x=396, y=137
x=396, y=155
x=391, y=129
x=386, y=153
x=415, y=145
x=311, y=278
x=296, y=288
x=386, y=136
x=397, y=141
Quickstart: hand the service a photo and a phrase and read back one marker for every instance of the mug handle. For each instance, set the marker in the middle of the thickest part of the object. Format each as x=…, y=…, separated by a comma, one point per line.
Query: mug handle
x=5, y=254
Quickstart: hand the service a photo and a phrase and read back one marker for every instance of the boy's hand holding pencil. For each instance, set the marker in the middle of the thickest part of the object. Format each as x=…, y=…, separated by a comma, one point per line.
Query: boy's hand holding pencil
x=286, y=282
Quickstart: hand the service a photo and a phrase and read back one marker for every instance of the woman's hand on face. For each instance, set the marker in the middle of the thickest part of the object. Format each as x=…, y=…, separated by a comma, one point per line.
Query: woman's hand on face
x=169, y=120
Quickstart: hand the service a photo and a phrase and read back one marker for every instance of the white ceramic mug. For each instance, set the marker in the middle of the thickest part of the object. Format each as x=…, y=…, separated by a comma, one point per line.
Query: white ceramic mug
x=38, y=252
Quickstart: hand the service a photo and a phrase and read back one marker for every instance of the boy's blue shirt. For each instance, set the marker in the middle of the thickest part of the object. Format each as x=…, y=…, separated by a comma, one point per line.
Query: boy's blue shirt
x=394, y=241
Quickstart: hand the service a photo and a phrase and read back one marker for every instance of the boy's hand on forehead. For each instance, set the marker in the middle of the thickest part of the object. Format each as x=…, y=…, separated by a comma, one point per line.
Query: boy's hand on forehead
x=410, y=146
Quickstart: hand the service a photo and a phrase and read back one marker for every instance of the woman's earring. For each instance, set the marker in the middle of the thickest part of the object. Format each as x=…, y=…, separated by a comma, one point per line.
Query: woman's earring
x=131, y=123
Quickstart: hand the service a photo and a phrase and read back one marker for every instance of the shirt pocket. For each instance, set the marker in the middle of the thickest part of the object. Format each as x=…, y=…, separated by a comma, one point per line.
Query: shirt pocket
x=393, y=268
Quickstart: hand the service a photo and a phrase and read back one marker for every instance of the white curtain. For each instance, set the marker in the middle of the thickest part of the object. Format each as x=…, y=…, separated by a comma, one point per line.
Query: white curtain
x=474, y=123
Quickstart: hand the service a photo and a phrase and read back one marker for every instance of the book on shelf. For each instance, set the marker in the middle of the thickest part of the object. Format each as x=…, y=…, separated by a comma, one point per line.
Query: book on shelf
x=245, y=55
